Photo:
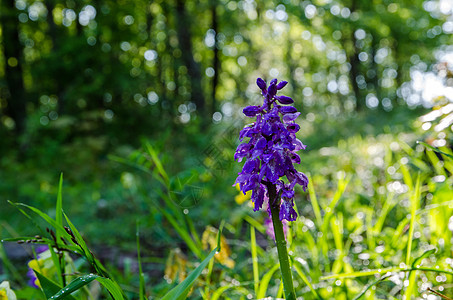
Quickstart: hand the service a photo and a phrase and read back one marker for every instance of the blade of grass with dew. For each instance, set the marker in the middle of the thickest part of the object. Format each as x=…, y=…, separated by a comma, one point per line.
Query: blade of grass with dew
x=157, y=163
x=280, y=290
x=49, y=287
x=448, y=162
x=183, y=234
x=59, y=208
x=193, y=231
x=342, y=184
x=142, y=291
x=211, y=262
x=216, y=295
x=314, y=201
x=57, y=259
x=370, y=236
x=44, y=216
x=398, y=234
x=414, y=200
x=412, y=274
x=382, y=271
x=407, y=178
x=58, y=262
x=368, y=286
x=338, y=240
x=362, y=273
x=113, y=287
x=435, y=162
x=87, y=253
x=126, y=162
x=389, y=204
x=207, y=283
x=421, y=257
x=435, y=149
x=237, y=290
x=181, y=290
x=306, y=281
x=258, y=226
x=256, y=274
x=73, y=286
x=264, y=283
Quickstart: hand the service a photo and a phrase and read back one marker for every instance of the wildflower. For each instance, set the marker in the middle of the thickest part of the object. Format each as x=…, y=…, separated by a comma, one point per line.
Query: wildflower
x=271, y=150
x=6, y=293
x=37, y=264
x=43, y=264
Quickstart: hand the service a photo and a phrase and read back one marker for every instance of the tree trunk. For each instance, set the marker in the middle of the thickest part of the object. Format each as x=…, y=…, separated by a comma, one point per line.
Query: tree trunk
x=13, y=53
x=216, y=61
x=58, y=88
x=193, y=69
x=353, y=59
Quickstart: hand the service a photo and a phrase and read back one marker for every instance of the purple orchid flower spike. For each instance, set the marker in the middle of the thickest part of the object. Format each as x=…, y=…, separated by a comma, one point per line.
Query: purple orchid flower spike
x=271, y=150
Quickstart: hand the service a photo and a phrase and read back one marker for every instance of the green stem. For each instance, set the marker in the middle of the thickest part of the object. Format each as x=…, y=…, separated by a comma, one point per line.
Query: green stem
x=285, y=268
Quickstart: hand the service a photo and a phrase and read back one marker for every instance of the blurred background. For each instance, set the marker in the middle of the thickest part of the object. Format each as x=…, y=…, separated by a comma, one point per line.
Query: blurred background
x=87, y=88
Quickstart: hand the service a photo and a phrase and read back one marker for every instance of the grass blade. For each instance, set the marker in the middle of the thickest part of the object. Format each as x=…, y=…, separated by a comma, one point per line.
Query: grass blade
x=181, y=290
x=49, y=287
x=367, y=287
x=306, y=281
x=314, y=201
x=59, y=208
x=265, y=281
x=142, y=293
x=414, y=204
x=112, y=287
x=435, y=149
x=73, y=286
x=256, y=274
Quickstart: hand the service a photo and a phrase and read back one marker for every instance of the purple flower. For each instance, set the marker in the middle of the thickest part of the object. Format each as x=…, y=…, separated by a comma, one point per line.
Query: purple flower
x=270, y=228
x=271, y=150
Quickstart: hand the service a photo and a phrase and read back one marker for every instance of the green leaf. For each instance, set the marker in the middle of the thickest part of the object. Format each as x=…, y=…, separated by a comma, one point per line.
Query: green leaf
x=181, y=291
x=49, y=287
x=73, y=286
x=112, y=287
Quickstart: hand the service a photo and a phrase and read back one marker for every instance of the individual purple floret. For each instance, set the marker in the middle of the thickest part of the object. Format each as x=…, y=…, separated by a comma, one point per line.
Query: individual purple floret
x=271, y=151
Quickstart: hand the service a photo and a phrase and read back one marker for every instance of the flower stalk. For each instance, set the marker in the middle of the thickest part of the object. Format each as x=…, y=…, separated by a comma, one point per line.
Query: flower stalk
x=280, y=241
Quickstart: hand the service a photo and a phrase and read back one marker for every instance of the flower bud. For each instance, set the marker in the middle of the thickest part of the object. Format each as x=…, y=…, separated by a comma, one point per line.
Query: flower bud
x=281, y=84
x=261, y=83
x=284, y=99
